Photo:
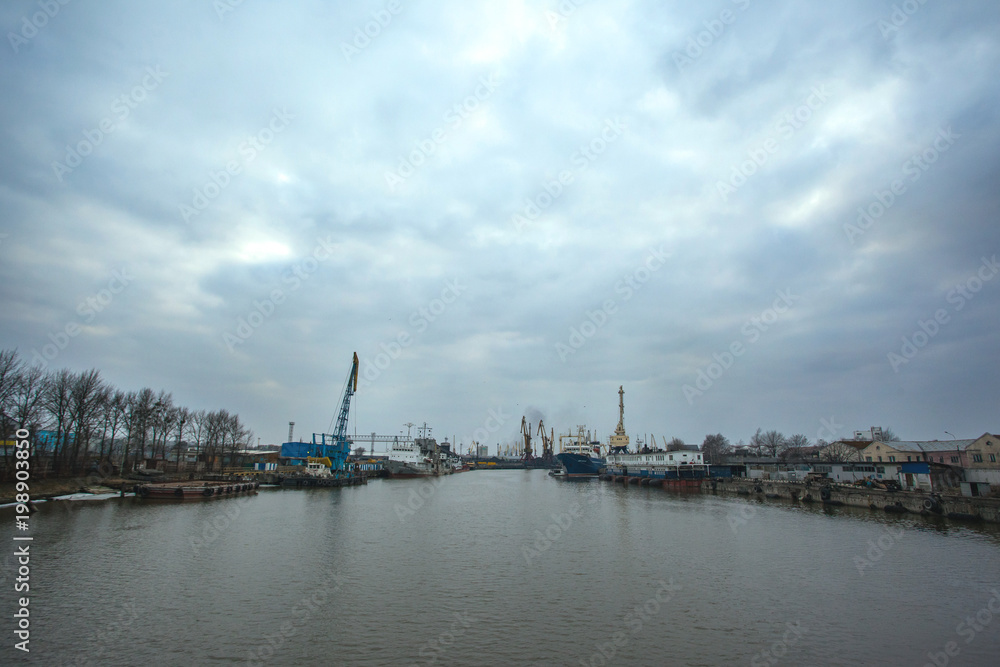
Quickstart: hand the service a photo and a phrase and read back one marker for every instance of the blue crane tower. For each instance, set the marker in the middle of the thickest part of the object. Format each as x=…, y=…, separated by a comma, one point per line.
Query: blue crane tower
x=334, y=446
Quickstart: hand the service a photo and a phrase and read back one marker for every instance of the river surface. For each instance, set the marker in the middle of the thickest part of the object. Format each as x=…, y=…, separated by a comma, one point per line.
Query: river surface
x=500, y=568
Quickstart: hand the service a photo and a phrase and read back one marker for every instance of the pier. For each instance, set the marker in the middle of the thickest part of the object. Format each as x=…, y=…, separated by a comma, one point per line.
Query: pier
x=951, y=506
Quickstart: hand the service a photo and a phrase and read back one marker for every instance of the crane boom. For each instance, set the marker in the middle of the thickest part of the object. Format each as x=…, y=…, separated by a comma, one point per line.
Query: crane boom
x=352, y=386
x=338, y=447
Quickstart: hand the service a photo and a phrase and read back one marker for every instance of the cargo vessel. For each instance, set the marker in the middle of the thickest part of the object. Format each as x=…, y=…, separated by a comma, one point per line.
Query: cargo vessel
x=579, y=458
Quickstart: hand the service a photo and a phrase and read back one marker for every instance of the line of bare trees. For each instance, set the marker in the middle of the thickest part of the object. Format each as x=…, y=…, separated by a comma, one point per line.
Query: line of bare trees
x=91, y=422
x=775, y=444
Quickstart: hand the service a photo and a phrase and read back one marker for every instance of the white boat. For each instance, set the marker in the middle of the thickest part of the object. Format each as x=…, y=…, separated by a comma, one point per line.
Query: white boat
x=420, y=457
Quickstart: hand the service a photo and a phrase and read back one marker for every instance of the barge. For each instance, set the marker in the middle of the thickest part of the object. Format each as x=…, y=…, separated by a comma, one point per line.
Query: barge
x=194, y=491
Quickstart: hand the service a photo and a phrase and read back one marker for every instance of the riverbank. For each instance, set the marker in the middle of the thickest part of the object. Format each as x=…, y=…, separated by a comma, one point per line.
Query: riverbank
x=43, y=489
x=893, y=502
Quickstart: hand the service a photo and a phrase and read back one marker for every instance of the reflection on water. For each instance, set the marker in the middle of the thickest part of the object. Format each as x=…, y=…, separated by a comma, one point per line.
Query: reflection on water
x=501, y=567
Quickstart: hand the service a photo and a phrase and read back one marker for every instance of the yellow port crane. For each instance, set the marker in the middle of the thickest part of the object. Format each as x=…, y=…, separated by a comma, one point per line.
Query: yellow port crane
x=526, y=432
x=547, y=454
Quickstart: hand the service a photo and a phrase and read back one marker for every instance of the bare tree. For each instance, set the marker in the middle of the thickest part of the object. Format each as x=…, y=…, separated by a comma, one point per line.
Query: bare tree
x=216, y=430
x=143, y=414
x=160, y=422
x=798, y=441
x=26, y=405
x=770, y=442
x=114, y=418
x=889, y=436
x=57, y=401
x=715, y=447
x=675, y=444
x=11, y=368
x=84, y=411
x=197, y=430
x=839, y=452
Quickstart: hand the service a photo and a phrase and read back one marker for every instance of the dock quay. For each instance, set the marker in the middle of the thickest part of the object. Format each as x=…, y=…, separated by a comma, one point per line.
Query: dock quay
x=951, y=506
x=955, y=507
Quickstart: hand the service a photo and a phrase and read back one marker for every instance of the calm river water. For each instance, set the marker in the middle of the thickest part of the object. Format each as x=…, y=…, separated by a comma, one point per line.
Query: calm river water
x=500, y=568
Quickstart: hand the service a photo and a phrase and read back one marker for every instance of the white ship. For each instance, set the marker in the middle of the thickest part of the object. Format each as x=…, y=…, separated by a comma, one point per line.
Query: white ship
x=420, y=457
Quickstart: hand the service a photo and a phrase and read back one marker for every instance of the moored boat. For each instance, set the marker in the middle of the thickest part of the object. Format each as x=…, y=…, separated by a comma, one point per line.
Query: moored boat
x=195, y=491
x=420, y=457
x=578, y=457
x=676, y=468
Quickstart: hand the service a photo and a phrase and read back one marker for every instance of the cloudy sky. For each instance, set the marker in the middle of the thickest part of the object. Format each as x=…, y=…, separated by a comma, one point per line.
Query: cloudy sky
x=749, y=214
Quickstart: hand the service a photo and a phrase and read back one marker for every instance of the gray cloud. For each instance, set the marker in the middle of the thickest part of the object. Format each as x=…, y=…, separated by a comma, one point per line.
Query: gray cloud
x=321, y=180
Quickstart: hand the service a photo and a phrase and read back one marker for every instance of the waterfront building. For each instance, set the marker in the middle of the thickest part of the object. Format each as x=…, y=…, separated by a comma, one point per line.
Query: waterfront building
x=948, y=452
x=981, y=460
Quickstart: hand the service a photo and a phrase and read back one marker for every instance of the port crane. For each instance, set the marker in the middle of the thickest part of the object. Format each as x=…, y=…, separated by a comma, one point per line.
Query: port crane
x=338, y=447
x=526, y=432
x=547, y=454
x=619, y=441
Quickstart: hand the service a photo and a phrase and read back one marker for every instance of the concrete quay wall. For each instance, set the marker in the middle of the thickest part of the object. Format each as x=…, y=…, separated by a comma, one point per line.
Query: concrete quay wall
x=895, y=502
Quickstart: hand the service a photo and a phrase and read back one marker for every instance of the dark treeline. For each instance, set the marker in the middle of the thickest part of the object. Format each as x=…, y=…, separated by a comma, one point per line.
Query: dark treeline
x=91, y=422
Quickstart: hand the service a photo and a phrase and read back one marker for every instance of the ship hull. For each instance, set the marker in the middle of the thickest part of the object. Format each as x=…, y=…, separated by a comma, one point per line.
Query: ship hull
x=578, y=465
x=400, y=470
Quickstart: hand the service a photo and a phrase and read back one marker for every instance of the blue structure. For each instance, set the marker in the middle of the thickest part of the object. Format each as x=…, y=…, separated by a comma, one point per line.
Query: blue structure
x=336, y=446
x=48, y=440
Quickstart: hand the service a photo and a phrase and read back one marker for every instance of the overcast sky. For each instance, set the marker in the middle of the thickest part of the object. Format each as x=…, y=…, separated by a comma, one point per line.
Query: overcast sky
x=749, y=214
